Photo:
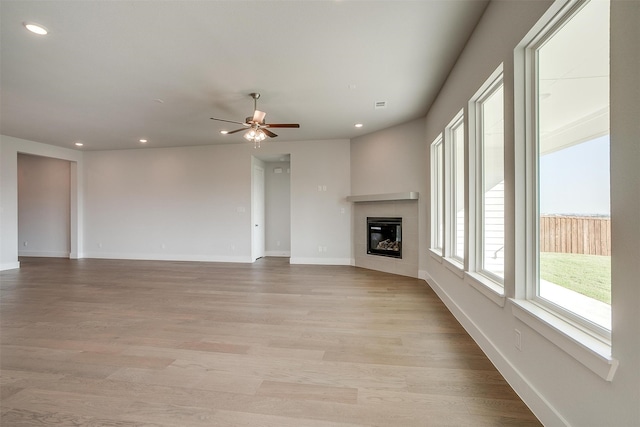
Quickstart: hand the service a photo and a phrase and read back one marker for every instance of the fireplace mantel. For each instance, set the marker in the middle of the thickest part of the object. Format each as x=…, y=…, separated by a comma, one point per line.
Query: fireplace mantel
x=409, y=195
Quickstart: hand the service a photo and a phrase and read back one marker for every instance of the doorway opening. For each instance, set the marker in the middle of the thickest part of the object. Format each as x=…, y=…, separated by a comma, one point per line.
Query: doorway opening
x=44, y=206
x=276, y=205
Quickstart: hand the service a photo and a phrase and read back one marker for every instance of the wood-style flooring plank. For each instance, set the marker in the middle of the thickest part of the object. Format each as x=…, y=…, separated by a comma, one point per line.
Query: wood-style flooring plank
x=150, y=343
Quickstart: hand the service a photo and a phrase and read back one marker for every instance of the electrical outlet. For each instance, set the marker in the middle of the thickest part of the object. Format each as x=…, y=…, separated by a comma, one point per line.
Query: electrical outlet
x=518, y=337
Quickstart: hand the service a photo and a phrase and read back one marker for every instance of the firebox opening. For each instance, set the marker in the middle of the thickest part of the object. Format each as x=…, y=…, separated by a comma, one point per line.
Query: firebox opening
x=384, y=236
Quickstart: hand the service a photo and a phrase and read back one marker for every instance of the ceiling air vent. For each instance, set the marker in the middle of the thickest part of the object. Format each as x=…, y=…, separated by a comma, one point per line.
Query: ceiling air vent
x=380, y=104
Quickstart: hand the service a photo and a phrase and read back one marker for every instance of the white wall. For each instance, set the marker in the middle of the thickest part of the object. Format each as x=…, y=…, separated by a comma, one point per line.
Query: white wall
x=44, y=198
x=278, y=208
x=559, y=389
x=174, y=203
x=9, y=149
x=194, y=203
x=320, y=214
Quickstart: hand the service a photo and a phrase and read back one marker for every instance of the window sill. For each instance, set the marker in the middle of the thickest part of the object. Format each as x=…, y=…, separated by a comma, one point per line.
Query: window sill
x=436, y=254
x=455, y=266
x=486, y=287
x=592, y=352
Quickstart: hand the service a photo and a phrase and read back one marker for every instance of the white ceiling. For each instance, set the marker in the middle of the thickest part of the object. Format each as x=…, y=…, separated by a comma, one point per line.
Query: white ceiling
x=112, y=72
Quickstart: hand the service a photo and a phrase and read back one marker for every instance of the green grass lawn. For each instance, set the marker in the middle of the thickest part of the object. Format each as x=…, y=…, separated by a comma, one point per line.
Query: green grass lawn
x=589, y=275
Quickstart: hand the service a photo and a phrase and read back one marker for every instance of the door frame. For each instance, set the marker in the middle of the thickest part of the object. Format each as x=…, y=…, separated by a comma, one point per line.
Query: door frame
x=257, y=212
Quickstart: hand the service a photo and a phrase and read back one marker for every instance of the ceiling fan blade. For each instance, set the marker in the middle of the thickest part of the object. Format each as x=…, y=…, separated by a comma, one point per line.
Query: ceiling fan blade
x=258, y=116
x=228, y=121
x=234, y=131
x=268, y=132
x=282, y=125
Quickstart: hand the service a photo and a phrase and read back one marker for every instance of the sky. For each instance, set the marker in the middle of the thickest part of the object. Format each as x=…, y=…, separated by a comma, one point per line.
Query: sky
x=575, y=180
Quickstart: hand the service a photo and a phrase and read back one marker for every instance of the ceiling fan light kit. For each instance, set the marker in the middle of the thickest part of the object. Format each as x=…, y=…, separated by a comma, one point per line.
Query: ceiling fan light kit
x=257, y=129
x=255, y=136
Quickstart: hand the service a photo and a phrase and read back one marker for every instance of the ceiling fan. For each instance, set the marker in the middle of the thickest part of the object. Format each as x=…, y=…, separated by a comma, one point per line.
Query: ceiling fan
x=257, y=129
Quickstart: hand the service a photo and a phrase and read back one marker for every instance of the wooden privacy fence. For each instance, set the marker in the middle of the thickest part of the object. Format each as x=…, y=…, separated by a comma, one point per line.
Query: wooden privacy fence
x=575, y=235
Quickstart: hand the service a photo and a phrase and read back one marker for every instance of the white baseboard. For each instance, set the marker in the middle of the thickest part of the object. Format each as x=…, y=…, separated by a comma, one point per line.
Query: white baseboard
x=9, y=266
x=540, y=406
x=44, y=254
x=284, y=254
x=169, y=257
x=321, y=261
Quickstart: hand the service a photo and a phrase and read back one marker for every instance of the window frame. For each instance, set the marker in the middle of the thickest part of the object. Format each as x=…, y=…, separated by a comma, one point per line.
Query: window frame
x=477, y=201
x=591, y=349
x=533, y=292
x=451, y=194
x=487, y=283
x=437, y=195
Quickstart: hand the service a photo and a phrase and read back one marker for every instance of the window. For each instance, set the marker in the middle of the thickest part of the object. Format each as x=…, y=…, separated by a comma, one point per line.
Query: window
x=437, y=195
x=570, y=163
x=455, y=152
x=488, y=110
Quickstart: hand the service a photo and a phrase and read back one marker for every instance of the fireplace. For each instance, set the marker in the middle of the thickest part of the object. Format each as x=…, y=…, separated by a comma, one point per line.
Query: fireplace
x=384, y=236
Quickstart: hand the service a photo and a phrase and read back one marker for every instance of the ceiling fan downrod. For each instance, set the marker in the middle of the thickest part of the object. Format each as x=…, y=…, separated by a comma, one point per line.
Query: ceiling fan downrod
x=255, y=96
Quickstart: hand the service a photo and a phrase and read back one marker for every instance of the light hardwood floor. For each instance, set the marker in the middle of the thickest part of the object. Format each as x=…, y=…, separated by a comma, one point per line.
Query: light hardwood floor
x=146, y=343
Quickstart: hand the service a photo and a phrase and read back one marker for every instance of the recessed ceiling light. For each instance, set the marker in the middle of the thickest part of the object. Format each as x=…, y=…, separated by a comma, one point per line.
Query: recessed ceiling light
x=143, y=141
x=79, y=144
x=224, y=132
x=358, y=125
x=35, y=28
